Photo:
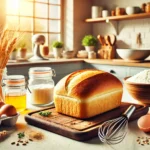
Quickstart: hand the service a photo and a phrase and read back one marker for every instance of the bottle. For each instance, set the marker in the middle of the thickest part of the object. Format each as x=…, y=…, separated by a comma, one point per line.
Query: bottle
x=15, y=91
x=41, y=85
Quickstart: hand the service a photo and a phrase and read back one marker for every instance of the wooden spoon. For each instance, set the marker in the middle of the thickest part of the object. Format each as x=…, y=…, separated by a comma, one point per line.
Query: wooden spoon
x=112, y=39
x=101, y=40
x=107, y=40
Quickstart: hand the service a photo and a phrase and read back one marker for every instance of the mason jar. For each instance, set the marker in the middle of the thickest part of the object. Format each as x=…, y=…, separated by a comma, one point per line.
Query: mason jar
x=41, y=85
x=15, y=91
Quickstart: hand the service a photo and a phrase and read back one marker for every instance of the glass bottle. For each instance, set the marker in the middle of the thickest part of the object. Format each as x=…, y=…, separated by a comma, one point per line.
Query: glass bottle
x=41, y=85
x=15, y=91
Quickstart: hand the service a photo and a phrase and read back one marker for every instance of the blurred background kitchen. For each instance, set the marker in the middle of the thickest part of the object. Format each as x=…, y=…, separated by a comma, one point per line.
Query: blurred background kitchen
x=68, y=22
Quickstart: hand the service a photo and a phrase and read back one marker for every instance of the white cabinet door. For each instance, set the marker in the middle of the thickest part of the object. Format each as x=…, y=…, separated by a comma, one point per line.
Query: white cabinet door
x=119, y=71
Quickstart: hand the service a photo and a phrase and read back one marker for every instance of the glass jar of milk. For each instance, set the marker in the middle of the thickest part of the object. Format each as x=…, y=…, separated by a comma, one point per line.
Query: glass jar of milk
x=41, y=85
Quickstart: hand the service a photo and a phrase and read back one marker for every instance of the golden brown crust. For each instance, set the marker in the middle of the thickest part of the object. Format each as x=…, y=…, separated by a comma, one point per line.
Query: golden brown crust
x=83, y=90
x=66, y=84
x=66, y=105
x=95, y=85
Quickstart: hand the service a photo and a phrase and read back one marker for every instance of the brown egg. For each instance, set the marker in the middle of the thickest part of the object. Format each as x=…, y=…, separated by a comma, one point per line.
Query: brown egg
x=144, y=123
x=8, y=110
x=1, y=104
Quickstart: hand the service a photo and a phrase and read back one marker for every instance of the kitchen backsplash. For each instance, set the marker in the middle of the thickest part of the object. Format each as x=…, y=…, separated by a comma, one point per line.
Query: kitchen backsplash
x=126, y=30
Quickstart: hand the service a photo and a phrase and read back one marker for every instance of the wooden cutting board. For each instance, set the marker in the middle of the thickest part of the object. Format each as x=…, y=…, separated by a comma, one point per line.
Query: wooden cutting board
x=78, y=129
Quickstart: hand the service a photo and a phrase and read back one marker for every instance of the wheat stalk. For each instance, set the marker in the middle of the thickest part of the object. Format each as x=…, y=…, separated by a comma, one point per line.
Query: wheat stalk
x=8, y=40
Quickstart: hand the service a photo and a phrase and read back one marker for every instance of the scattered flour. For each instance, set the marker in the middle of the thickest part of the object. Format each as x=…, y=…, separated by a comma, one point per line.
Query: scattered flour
x=141, y=77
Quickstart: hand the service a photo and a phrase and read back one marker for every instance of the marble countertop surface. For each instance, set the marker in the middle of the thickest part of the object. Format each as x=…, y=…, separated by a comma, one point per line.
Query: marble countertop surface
x=57, y=142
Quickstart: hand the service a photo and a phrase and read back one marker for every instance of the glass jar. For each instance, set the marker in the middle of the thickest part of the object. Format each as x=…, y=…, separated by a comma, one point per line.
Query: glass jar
x=3, y=75
x=15, y=91
x=41, y=85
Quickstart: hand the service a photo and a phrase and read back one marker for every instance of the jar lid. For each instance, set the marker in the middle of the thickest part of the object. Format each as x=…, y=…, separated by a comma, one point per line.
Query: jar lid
x=15, y=80
x=41, y=72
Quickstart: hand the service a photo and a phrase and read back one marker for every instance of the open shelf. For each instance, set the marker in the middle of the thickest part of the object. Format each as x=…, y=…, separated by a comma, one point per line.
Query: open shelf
x=117, y=18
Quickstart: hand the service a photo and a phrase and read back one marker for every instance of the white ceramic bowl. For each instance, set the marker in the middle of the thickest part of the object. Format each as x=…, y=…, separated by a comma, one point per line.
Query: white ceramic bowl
x=132, y=10
x=133, y=54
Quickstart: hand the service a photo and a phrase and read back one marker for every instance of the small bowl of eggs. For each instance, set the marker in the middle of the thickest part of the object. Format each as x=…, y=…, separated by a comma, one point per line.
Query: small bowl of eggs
x=8, y=114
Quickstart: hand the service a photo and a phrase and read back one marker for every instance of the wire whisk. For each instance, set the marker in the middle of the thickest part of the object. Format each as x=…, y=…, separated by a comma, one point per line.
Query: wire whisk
x=114, y=131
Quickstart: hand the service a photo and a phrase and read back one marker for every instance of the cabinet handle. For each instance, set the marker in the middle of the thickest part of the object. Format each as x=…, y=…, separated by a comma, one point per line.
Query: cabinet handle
x=112, y=71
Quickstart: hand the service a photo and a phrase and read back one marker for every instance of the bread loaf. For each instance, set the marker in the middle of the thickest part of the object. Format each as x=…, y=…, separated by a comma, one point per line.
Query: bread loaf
x=86, y=93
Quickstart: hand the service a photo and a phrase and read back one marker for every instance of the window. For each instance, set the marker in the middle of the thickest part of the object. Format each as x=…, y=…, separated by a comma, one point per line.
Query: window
x=35, y=17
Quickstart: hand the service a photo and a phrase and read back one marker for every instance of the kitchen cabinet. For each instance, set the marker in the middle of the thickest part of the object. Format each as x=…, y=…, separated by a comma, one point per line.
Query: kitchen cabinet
x=119, y=71
x=62, y=67
x=118, y=18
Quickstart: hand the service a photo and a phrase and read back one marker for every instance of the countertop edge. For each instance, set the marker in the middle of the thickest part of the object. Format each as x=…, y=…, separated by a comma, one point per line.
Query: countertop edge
x=113, y=62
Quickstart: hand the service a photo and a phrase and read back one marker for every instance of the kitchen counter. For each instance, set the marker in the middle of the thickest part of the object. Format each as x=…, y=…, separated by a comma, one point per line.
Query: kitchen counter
x=118, y=62
x=57, y=142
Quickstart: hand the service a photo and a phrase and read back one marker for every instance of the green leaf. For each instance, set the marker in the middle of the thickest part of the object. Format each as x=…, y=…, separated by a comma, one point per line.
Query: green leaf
x=21, y=135
x=89, y=40
x=45, y=114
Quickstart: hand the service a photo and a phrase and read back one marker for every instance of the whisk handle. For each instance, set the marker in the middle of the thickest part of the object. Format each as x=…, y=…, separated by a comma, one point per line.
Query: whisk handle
x=129, y=111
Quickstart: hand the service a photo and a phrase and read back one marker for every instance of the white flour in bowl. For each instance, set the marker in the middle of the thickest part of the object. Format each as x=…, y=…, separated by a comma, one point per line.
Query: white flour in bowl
x=141, y=77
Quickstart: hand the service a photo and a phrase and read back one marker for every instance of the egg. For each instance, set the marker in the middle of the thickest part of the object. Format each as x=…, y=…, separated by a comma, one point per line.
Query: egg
x=1, y=104
x=8, y=110
x=144, y=123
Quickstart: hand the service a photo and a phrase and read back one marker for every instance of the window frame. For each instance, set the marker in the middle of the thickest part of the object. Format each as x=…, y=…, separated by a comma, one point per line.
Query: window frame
x=48, y=32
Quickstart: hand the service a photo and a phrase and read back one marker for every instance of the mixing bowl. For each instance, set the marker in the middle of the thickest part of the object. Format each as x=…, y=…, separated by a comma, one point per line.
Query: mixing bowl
x=139, y=91
x=133, y=54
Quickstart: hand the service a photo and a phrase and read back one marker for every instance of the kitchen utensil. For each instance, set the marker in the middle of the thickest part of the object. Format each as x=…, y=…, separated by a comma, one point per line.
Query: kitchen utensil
x=101, y=40
x=115, y=130
x=112, y=39
x=107, y=40
x=75, y=128
x=37, y=40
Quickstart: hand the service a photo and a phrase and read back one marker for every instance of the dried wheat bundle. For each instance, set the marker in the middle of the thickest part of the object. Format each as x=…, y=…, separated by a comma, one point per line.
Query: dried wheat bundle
x=8, y=40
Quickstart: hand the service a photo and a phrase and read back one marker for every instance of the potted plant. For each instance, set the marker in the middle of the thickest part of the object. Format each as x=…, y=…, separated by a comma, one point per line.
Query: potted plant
x=57, y=49
x=89, y=41
x=22, y=49
x=13, y=55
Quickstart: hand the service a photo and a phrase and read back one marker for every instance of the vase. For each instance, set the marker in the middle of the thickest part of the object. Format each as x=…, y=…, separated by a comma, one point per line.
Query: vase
x=13, y=55
x=23, y=53
x=57, y=52
x=89, y=48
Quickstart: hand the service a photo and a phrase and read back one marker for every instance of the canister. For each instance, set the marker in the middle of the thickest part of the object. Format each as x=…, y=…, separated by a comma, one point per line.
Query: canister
x=41, y=85
x=15, y=91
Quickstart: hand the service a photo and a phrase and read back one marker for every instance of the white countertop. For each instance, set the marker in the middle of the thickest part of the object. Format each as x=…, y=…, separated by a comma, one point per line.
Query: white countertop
x=57, y=142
